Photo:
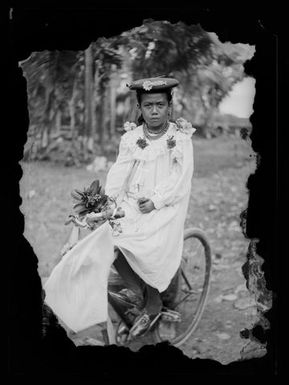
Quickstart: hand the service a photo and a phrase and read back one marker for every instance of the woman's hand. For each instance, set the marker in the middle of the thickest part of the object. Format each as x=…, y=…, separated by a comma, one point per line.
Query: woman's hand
x=99, y=218
x=145, y=205
x=93, y=220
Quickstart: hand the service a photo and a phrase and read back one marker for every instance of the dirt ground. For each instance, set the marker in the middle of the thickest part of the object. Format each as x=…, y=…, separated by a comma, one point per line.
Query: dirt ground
x=219, y=195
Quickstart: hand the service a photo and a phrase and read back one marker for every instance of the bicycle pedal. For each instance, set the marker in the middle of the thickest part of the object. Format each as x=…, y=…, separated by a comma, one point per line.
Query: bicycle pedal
x=123, y=329
x=140, y=327
x=171, y=316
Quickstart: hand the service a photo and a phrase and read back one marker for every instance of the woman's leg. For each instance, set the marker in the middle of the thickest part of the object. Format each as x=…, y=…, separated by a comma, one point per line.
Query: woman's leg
x=153, y=302
x=152, y=298
x=131, y=279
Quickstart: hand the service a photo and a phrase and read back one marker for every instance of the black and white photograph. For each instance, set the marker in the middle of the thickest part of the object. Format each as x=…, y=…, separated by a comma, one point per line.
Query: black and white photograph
x=134, y=191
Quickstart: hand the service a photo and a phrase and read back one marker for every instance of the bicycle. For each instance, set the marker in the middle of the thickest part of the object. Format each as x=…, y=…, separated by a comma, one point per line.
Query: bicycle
x=186, y=294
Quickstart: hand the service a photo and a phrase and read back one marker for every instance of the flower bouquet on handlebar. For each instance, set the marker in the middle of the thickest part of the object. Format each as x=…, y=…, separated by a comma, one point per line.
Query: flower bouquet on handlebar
x=92, y=207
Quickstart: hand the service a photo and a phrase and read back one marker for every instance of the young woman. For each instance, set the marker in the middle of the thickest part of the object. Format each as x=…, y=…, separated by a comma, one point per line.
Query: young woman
x=151, y=181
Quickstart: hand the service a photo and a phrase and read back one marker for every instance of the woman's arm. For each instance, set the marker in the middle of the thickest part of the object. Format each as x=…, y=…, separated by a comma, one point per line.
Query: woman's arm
x=119, y=170
x=178, y=184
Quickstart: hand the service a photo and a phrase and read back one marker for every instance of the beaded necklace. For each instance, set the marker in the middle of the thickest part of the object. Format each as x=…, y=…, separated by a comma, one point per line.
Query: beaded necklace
x=158, y=134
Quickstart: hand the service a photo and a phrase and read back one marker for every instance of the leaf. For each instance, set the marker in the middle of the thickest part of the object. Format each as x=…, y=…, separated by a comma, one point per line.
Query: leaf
x=244, y=303
x=80, y=209
x=75, y=195
x=94, y=187
x=82, y=212
x=252, y=350
x=79, y=192
x=241, y=288
x=223, y=336
x=212, y=208
x=229, y=297
x=79, y=205
x=225, y=297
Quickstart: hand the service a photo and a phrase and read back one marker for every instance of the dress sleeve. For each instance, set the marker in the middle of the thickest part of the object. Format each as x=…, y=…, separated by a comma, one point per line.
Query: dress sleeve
x=178, y=184
x=119, y=170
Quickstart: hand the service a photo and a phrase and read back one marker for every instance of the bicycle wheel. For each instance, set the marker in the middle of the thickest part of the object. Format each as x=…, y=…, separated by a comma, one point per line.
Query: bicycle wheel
x=190, y=289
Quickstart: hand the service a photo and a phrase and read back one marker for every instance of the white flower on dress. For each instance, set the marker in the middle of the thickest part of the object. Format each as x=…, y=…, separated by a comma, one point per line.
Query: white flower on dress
x=129, y=126
x=148, y=84
x=184, y=126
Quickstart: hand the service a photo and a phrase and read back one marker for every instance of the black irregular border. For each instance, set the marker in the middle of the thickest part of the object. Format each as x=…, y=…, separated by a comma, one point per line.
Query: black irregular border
x=47, y=27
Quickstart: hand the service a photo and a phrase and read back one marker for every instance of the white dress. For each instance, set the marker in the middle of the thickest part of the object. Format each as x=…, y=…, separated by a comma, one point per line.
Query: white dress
x=152, y=243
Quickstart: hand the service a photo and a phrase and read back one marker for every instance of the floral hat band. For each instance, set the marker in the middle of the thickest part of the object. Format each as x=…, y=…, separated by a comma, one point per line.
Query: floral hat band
x=153, y=84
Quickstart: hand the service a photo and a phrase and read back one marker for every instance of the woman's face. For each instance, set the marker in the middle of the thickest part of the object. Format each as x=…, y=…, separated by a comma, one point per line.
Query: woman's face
x=155, y=109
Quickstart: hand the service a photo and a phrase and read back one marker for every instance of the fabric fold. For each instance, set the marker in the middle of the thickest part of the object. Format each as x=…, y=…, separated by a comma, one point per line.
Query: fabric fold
x=76, y=290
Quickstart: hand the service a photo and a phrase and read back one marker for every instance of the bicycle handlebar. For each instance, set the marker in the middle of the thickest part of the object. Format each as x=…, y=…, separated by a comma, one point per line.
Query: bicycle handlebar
x=92, y=218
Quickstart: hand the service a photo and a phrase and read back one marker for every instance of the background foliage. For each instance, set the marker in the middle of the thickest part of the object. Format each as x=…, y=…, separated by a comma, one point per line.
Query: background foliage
x=78, y=101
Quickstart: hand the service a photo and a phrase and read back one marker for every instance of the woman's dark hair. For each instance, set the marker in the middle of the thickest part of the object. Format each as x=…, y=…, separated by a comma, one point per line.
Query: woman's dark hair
x=168, y=92
x=139, y=94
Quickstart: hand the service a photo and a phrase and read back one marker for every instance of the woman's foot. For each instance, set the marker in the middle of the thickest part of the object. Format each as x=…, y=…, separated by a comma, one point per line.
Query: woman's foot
x=140, y=326
x=167, y=330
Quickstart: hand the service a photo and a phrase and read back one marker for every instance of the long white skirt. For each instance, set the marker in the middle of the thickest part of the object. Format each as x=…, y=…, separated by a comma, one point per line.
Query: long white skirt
x=76, y=290
x=152, y=243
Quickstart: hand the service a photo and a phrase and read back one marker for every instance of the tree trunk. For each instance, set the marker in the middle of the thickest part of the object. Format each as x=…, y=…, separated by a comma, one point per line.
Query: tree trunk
x=112, y=106
x=106, y=115
x=49, y=118
x=58, y=121
x=204, y=128
x=134, y=111
x=100, y=116
x=71, y=107
x=88, y=92
x=207, y=129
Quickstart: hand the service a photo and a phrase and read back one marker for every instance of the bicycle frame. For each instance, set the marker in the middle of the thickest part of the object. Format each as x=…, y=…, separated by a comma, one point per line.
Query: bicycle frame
x=126, y=309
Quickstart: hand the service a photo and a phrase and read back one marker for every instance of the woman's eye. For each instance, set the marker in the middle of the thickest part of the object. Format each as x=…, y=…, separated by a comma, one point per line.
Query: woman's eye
x=159, y=105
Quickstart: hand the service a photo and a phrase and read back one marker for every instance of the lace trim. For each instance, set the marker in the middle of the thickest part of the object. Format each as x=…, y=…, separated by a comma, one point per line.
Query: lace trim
x=158, y=147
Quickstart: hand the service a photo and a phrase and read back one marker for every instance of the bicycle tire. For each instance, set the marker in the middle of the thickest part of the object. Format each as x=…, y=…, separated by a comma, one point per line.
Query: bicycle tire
x=179, y=340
